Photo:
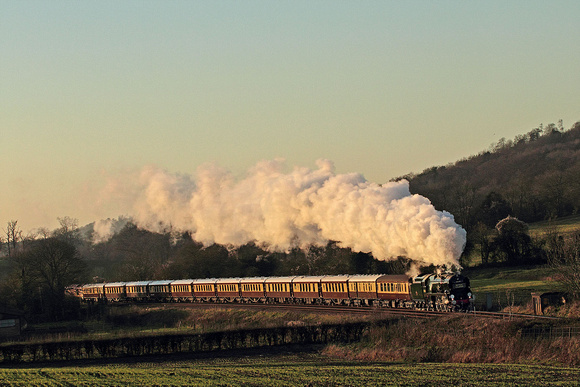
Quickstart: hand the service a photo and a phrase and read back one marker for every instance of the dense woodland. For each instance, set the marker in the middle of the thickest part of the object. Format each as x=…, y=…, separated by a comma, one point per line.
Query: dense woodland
x=493, y=195
x=534, y=177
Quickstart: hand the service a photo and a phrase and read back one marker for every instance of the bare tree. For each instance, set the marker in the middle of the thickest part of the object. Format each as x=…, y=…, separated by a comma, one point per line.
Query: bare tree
x=13, y=235
x=69, y=230
x=564, y=255
x=464, y=196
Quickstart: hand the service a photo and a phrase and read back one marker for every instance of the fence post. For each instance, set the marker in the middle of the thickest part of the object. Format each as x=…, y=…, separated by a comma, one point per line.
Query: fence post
x=537, y=303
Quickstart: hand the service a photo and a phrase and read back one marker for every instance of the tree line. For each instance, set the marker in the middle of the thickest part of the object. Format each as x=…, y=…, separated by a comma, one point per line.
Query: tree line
x=36, y=269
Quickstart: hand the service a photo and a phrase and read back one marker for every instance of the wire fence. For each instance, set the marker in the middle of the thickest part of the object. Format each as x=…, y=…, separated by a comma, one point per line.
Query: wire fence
x=551, y=332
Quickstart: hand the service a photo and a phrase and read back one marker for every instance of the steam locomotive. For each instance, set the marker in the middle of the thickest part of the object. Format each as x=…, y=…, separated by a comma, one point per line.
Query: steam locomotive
x=442, y=292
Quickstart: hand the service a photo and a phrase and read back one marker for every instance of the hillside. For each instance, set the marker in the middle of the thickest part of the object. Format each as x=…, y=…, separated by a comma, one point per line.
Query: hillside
x=534, y=177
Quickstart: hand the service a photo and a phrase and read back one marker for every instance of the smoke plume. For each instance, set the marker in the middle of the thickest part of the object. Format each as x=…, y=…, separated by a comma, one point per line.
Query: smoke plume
x=281, y=210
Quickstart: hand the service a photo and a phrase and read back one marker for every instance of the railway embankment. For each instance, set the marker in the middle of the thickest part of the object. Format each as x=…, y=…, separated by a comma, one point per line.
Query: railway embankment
x=458, y=337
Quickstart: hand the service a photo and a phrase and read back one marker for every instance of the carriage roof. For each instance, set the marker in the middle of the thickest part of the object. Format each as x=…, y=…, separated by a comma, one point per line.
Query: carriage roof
x=114, y=284
x=204, y=281
x=333, y=278
x=308, y=278
x=93, y=285
x=161, y=282
x=253, y=280
x=183, y=282
x=137, y=283
x=393, y=278
x=280, y=279
x=228, y=281
x=365, y=277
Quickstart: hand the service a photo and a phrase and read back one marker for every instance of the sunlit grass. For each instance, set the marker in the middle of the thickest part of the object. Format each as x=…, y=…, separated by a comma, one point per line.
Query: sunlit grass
x=562, y=225
x=293, y=370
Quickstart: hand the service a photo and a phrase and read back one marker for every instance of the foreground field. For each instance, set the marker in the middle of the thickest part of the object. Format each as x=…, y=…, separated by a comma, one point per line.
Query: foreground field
x=290, y=370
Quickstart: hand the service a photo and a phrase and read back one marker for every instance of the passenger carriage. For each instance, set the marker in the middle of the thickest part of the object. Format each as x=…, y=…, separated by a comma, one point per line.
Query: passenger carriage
x=306, y=289
x=228, y=289
x=279, y=289
x=334, y=289
x=204, y=290
x=362, y=289
x=393, y=290
x=92, y=292
x=182, y=290
x=252, y=289
x=160, y=290
x=115, y=291
x=137, y=291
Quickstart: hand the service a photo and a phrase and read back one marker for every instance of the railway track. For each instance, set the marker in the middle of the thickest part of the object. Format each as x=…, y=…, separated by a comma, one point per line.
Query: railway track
x=362, y=310
x=511, y=316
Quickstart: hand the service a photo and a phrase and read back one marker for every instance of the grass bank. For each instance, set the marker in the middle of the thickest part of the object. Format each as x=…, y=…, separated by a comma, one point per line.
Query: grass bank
x=462, y=339
x=164, y=319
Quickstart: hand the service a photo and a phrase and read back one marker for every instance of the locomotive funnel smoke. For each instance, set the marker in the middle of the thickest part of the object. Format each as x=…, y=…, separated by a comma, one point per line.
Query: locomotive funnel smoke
x=281, y=210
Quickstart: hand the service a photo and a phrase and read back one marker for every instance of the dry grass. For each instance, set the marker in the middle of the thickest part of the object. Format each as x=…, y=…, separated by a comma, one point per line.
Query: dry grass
x=458, y=340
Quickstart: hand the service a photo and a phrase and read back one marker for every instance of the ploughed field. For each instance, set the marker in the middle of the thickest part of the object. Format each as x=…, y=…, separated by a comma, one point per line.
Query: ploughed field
x=288, y=370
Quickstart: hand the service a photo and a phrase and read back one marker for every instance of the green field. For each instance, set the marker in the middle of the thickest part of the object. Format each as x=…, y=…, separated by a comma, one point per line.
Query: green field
x=291, y=370
x=507, y=284
x=539, y=278
x=563, y=225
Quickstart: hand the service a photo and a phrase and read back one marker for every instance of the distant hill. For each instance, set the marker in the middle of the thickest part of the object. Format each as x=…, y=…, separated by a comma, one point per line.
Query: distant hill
x=534, y=177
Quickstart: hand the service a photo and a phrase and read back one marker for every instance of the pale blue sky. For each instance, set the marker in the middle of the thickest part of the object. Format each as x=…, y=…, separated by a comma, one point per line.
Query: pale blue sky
x=383, y=88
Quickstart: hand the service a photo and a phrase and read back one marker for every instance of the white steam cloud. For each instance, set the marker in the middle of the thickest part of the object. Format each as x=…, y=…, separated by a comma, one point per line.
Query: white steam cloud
x=281, y=210
x=104, y=229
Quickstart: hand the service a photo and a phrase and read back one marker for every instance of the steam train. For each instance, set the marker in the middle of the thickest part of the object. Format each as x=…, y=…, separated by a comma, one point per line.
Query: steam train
x=442, y=292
